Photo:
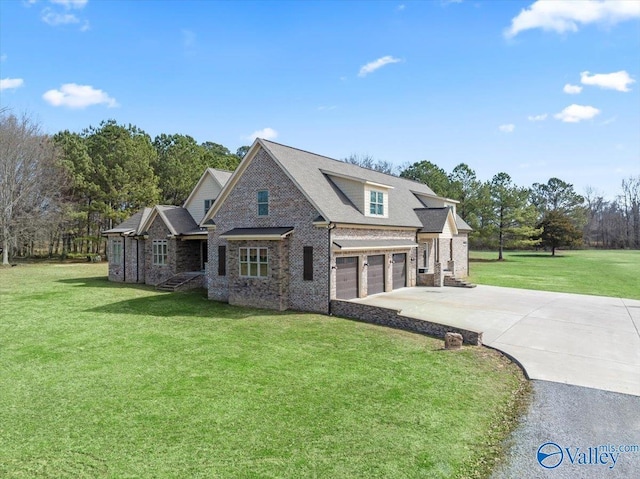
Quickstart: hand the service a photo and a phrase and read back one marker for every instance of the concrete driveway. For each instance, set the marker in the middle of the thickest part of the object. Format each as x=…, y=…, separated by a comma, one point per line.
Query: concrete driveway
x=589, y=341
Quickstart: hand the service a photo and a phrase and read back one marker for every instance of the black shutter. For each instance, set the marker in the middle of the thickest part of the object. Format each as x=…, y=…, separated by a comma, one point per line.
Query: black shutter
x=222, y=260
x=307, y=273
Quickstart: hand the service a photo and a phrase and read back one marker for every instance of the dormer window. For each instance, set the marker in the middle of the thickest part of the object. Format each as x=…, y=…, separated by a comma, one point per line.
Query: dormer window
x=376, y=204
x=207, y=205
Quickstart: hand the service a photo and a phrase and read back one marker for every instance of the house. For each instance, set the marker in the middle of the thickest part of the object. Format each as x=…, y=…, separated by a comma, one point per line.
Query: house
x=155, y=244
x=294, y=230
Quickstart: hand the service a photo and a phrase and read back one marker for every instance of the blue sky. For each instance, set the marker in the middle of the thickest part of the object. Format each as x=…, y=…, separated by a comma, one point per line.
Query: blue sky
x=535, y=89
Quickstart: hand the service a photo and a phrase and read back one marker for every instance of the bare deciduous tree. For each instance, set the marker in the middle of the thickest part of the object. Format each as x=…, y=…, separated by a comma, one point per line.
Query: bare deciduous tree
x=367, y=161
x=29, y=179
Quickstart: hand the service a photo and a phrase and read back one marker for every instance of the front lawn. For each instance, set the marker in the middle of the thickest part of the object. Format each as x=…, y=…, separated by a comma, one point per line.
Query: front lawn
x=598, y=272
x=101, y=380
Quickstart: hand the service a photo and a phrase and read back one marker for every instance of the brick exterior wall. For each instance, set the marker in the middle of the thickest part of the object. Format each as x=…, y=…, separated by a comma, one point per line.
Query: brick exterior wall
x=392, y=318
x=288, y=207
x=458, y=266
x=116, y=271
x=271, y=292
x=188, y=256
x=131, y=268
x=156, y=274
x=461, y=255
x=182, y=256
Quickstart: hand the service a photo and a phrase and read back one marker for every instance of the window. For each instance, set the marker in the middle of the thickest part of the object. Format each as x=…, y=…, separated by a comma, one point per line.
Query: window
x=254, y=262
x=425, y=258
x=222, y=260
x=207, y=205
x=263, y=203
x=307, y=267
x=376, y=204
x=116, y=251
x=159, y=252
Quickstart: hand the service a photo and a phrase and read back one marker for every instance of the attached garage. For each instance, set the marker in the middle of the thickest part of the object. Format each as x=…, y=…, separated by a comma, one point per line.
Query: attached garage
x=375, y=274
x=399, y=270
x=347, y=277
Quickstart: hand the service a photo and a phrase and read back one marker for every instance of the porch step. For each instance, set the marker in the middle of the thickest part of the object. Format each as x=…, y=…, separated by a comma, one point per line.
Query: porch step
x=182, y=281
x=457, y=283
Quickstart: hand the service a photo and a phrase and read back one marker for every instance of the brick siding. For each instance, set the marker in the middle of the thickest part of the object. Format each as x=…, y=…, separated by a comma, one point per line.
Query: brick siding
x=287, y=207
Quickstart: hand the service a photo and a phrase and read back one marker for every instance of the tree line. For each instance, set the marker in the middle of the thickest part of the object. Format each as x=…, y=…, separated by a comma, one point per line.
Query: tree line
x=59, y=192
x=548, y=215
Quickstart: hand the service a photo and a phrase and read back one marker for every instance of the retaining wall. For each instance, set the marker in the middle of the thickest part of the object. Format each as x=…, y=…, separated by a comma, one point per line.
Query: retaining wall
x=393, y=319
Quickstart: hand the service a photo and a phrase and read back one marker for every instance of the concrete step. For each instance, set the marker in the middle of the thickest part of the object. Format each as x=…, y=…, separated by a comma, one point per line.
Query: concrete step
x=454, y=282
x=179, y=281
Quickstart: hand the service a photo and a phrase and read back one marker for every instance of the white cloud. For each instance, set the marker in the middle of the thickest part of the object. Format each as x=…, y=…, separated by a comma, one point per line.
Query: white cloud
x=11, y=83
x=265, y=133
x=68, y=4
x=537, y=117
x=3, y=57
x=572, y=89
x=62, y=16
x=72, y=95
x=326, y=108
x=609, y=121
x=563, y=16
x=507, y=128
x=576, y=113
x=54, y=19
x=401, y=7
x=379, y=63
x=619, y=81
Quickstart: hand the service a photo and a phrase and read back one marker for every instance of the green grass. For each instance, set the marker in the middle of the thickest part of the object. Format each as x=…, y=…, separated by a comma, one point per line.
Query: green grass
x=598, y=272
x=102, y=380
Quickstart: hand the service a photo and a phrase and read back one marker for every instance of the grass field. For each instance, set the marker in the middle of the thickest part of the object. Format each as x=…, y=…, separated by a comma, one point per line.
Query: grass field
x=101, y=380
x=598, y=272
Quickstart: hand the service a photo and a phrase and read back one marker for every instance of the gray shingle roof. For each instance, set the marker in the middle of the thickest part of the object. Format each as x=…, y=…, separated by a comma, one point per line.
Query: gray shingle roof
x=132, y=224
x=433, y=219
x=258, y=231
x=462, y=224
x=178, y=219
x=222, y=176
x=310, y=172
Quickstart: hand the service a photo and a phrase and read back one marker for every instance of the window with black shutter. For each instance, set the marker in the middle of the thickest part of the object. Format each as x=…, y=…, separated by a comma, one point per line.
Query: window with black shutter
x=307, y=273
x=222, y=260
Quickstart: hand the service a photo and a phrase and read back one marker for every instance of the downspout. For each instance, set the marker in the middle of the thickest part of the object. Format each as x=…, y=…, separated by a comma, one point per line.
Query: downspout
x=137, y=260
x=330, y=227
x=124, y=258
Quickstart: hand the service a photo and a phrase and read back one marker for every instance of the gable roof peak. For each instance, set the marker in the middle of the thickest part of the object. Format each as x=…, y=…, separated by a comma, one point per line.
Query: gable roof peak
x=340, y=164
